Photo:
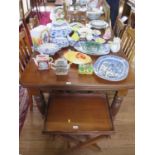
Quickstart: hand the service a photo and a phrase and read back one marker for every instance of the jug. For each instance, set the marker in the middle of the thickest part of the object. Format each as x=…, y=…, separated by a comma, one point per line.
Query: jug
x=61, y=67
x=115, y=45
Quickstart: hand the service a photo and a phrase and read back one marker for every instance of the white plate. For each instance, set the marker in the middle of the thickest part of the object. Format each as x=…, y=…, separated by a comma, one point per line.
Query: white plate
x=99, y=24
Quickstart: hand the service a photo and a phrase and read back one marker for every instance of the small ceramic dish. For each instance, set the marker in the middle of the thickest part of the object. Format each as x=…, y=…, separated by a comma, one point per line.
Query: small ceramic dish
x=96, y=32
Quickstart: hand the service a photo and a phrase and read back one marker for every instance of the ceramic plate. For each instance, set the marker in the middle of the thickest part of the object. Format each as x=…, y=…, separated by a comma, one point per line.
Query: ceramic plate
x=77, y=57
x=57, y=13
x=99, y=24
x=92, y=47
x=112, y=68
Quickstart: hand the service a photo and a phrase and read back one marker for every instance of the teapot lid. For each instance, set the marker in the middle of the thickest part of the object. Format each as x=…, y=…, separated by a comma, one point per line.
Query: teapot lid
x=61, y=62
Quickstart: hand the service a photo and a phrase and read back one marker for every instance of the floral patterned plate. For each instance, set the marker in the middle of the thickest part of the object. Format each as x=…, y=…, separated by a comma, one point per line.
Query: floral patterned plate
x=77, y=57
x=92, y=47
x=111, y=67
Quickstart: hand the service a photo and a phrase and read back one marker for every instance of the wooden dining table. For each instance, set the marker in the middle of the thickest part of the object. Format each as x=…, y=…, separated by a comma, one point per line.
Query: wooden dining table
x=74, y=105
x=38, y=81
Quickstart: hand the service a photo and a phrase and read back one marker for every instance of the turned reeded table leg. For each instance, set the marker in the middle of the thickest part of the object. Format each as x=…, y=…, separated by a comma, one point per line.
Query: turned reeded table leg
x=39, y=98
x=116, y=103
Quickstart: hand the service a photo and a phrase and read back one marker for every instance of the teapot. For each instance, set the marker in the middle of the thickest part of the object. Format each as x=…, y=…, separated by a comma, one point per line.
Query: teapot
x=115, y=45
x=43, y=61
x=60, y=66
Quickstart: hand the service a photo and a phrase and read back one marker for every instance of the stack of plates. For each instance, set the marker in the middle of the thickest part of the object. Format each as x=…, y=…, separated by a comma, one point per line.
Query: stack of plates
x=99, y=24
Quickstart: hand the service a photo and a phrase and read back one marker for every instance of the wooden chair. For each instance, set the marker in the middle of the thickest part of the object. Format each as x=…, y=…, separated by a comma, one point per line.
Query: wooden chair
x=36, y=5
x=25, y=52
x=128, y=43
x=33, y=22
x=106, y=9
x=121, y=8
x=119, y=27
x=131, y=20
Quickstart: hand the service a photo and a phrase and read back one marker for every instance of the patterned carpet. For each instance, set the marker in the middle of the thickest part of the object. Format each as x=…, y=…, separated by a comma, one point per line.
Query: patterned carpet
x=23, y=106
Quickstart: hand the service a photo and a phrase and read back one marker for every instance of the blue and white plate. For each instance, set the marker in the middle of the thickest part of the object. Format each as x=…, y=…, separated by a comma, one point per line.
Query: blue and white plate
x=111, y=67
x=92, y=48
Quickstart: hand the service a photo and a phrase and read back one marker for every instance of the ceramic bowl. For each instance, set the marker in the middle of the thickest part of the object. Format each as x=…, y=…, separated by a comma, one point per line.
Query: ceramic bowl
x=93, y=15
x=48, y=48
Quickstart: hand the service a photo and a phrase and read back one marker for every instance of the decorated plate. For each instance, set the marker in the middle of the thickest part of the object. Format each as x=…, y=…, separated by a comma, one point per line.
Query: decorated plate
x=112, y=68
x=99, y=24
x=77, y=57
x=76, y=26
x=92, y=47
x=57, y=13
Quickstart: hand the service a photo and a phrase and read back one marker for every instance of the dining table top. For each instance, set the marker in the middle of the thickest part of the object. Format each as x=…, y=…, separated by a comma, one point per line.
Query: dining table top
x=34, y=78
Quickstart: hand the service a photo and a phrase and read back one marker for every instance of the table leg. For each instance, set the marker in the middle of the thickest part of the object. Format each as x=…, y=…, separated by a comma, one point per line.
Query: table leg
x=41, y=104
x=116, y=103
x=89, y=142
x=39, y=99
x=30, y=100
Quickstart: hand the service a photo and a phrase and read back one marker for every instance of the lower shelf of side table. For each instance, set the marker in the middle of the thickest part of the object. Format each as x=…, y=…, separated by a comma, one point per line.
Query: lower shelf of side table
x=78, y=114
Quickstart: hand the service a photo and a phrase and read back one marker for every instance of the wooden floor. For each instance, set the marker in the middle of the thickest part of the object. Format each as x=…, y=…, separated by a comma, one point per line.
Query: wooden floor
x=33, y=142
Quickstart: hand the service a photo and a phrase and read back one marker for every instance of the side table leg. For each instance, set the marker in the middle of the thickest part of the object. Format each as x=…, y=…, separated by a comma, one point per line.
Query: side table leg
x=41, y=104
x=30, y=100
x=116, y=103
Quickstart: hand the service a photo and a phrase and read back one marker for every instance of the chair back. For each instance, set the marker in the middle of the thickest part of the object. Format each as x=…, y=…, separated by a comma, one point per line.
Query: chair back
x=106, y=9
x=33, y=22
x=128, y=43
x=119, y=27
x=25, y=50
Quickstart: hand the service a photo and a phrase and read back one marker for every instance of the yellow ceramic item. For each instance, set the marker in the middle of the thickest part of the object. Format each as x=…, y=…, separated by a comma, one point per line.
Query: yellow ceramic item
x=100, y=40
x=75, y=36
x=77, y=57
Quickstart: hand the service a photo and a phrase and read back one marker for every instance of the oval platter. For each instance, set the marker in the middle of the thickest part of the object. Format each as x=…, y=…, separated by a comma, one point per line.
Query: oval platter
x=92, y=48
x=111, y=68
x=77, y=57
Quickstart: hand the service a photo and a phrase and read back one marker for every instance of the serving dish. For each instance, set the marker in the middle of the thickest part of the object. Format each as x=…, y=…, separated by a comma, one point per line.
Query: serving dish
x=48, y=48
x=77, y=57
x=111, y=67
x=99, y=24
x=92, y=48
x=94, y=15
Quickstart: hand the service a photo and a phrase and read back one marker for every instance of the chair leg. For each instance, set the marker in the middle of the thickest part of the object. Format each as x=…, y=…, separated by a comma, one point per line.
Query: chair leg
x=30, y=101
